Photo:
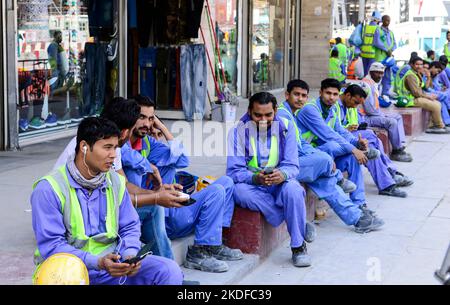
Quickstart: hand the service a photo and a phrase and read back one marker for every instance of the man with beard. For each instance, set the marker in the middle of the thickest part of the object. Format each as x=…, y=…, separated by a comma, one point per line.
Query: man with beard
x=206, y=217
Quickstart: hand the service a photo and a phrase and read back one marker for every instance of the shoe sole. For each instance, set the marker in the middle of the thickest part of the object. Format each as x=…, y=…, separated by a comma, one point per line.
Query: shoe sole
x=393, y=195
x=227, y=258
x=195, y=266
x=369, y=229
x=406, y=184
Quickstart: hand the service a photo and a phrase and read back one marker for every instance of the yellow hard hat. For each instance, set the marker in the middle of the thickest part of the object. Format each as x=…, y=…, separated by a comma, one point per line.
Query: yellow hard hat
x=333, y=40
x=61, y=269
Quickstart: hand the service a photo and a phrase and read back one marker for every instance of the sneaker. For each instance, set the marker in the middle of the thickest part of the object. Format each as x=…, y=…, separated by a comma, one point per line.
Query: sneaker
x=401, y=156
x=347, y=186
x=300, y=257
x=367, y=223
x=66, y=119
x=51, y=120
x=310, y=234
x=393, y=191
x=224, y=253
x=372, y=153
x=402, y=180
x=437, y=130
x=365, y=209
x=23, y=124
x=37, y=123
x=198, y=258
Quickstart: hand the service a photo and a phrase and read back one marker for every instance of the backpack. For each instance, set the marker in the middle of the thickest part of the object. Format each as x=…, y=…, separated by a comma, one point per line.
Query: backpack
x=356, y=37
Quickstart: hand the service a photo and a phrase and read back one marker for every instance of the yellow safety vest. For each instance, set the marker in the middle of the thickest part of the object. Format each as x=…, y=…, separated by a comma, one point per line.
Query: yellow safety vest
x=334, y=69
x=351, y=116
x=312, y=138
x=367, y=49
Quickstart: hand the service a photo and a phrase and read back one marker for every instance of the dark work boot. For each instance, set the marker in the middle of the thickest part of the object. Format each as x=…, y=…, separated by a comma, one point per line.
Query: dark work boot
x=300, y=257
x=393, y=191
x=224, y=253
x=198, y=258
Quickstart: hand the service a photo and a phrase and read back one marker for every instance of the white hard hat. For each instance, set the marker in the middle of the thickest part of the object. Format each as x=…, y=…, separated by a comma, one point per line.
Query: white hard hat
x=376, y=67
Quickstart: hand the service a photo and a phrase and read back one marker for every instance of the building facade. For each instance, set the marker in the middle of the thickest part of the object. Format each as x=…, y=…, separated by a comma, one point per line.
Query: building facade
x=49, y=84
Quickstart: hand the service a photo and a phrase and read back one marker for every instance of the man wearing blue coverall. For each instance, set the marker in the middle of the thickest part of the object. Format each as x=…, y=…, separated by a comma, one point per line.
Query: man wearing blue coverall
x=317, y=168
x=262, y=161
x=212, y=210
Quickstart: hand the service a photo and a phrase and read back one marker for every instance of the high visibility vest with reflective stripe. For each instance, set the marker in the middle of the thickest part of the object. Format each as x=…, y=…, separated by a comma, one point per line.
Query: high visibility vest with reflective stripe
x=73, y=218
x=342, y=50
x=291, y=117
x=380, y=55
x=367, y=49
x=334, y=69
x=404, y=92
x=351, y=70
x=398, y=78
x=146, y=152
x=253, y=164
x=312, y=138
x=351, y=116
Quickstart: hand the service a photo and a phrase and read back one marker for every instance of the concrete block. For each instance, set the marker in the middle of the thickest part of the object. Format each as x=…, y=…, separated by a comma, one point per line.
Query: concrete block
x=383, y=135
x=415, y=119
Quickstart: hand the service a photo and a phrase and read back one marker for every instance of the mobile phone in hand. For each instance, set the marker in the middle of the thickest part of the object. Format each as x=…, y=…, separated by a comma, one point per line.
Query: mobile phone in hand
x=140, y=255
x=268, y=170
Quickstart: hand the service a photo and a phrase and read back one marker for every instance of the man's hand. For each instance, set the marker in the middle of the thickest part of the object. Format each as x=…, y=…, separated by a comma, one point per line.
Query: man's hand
x=169, y=199
x=363, y=143
x=134, y=268
x=154, y=177
x=433, y=96
x=360, y=156
x=172, y=187
x=110, y=263
x=352, y=128
x=277, y=177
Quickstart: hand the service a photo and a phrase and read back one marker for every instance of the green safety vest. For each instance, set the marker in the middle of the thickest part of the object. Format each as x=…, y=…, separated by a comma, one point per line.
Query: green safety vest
x=297, y=131
x=380, y=55
x=146, y=152
x=351, y=116
x=398, y=80
x=312, y=138
x=447, y=53
x=342, y=50
x=367, y=49
x=334, y=69
x=405, y=93
x=274, y=156
x=100, y=244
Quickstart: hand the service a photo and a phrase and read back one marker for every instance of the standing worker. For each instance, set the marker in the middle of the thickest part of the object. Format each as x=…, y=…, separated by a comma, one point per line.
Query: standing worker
x=342, y=51
x=335, y=67
x=446, y=48
x=368, y=49
x=384, y=43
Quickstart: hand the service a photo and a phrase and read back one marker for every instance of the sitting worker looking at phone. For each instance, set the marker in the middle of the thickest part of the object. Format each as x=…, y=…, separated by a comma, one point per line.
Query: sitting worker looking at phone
x=206, y=215
x=83, y=208
x=382, y=169
x=262, y=160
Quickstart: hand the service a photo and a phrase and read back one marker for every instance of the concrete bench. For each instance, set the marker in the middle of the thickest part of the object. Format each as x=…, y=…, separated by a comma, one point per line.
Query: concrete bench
x=251, y=233
x=383, y=135
x=415, y=120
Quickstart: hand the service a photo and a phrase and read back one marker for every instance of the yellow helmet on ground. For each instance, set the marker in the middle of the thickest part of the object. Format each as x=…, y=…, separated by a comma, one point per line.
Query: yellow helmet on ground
x=204, y=182
x=61, y=269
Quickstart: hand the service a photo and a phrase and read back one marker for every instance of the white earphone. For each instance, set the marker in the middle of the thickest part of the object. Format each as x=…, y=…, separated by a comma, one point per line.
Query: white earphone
x=84, y=149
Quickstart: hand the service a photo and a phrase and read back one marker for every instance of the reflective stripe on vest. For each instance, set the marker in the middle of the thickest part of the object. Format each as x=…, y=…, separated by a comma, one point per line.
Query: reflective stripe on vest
x=405, y=92
x=73, y=217
x=297, y=131
x=398, y=78
x=146, y=152
x=351, y=116
x=334, y=69
x=367, y=49
x=312, y=138
x=447, y=53
x=253, y=164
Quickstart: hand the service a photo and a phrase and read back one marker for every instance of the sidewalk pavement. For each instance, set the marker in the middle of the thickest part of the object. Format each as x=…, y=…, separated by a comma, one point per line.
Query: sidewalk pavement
x=407, y=251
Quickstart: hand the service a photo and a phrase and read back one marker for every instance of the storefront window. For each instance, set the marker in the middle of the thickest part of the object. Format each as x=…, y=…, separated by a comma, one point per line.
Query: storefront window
x=226, y=29
x=268, y=44
x=53, y=70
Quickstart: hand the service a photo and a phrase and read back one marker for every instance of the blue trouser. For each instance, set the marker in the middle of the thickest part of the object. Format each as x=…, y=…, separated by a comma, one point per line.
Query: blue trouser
x=278, y=203
x=393, y=123
x=153, y=230
x=147, y=63
x=316, y=170
x=380, y=168
x=211, y=212
x=347, y=163
x=386, y=82
x=367, y=62
x=193, y=80
x=443, y=98
x=94, y=84
x=154, y=270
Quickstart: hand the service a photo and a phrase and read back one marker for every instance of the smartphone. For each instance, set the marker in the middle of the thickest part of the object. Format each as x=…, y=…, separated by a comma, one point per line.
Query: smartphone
x=191, y=201
x=268, y=170
x=145, y=250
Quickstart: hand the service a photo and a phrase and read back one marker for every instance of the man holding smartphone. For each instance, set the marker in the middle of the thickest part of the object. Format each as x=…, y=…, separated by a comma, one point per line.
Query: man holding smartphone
x=263, y=163
x=83, y=208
